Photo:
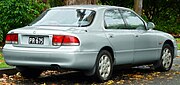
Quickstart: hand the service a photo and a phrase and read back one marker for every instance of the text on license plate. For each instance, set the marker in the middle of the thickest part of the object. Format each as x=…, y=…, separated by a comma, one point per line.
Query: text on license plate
x=36, y=40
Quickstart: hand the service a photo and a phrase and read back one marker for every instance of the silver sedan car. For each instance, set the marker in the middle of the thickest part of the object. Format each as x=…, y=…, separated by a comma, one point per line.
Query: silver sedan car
x=88, y=38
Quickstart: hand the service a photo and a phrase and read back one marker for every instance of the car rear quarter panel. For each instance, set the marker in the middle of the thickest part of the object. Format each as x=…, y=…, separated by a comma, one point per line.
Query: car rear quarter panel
x=93, y=41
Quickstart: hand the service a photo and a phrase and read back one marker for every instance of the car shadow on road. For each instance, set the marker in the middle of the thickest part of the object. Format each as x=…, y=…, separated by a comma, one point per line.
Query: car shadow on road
x=80, y=78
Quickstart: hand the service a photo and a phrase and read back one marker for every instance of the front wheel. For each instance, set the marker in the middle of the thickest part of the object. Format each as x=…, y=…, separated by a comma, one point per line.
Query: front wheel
x=166, y=60
x=104, y=66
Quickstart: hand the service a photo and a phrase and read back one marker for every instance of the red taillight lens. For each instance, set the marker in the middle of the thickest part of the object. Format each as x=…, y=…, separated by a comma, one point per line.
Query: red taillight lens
x=57, y=39
x=12, y=39
x=65, y=40
x=70, y=40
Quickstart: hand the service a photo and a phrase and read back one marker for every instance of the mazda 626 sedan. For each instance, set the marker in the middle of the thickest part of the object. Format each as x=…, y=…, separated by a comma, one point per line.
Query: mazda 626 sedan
x=88, y=38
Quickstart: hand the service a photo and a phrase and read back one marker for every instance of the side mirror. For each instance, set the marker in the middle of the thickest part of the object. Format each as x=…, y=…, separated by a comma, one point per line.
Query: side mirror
x=150, y=25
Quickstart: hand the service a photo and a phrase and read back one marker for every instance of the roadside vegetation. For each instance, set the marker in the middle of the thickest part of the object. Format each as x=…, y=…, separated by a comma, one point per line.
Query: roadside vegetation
x=19, y=13
x=178, y=43
x=2, y=63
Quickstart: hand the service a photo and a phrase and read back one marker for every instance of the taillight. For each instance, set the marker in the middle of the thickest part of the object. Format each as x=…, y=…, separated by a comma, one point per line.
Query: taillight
x=57, y=40
x=70, y=40
x=12, y=39
x=65, y=40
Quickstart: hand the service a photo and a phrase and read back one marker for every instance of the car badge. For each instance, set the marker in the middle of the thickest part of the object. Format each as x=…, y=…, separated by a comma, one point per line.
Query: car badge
x=34, y=32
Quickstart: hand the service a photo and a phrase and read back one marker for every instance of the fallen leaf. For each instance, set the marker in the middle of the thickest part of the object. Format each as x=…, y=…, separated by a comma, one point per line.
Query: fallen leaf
x=168, y=74
x=2, y=79
x=93, y=84
x=76, y=84
x=155, y=74
x=121, y=82
x=110, y=82
x=5, y=76
x=161, y=77
x=53, y=84
x=170, y=78
x=177, y=56
x=43, y=84
x=138, y=76
x=177, y=72
x=149, y=77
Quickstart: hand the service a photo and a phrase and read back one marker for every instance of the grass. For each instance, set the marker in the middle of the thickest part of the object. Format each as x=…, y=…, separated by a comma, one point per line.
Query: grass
x=178, y=46
x=178, y=43
x=2, y=63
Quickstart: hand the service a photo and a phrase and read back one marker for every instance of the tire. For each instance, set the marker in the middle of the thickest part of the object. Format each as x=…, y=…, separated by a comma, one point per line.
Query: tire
x=29, y=72
x=166, y=60
x=104, y=66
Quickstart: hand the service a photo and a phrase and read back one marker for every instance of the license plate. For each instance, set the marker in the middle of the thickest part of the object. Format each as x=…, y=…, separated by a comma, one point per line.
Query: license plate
x=36, y=40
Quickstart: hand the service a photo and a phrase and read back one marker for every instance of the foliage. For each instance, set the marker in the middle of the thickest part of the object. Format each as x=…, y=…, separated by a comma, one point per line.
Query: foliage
x=178, y=43
x=54, y=3
x=178, y=46
x=122, y=3
x=2, y=63
x=1, y=36
x=18, y=13
x=167, y=21
x=164, y=13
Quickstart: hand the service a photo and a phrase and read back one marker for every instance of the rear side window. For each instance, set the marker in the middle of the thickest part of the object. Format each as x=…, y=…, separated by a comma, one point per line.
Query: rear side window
x=132, y=20
x=113, y=19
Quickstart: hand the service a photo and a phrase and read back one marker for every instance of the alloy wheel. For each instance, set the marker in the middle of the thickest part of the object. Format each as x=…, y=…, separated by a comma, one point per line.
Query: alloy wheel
x=104, y=66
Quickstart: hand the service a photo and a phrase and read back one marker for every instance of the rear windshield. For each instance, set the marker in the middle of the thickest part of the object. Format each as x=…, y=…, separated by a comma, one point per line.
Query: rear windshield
x=65, y=17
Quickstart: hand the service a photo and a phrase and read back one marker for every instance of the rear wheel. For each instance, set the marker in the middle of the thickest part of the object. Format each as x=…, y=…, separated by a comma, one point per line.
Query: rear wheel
x=104, y=66
x=165, y=63
x=29, y=72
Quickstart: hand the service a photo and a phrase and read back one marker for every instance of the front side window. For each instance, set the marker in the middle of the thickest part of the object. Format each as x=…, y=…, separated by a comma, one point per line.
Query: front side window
x=65, y=17
x=113, y=19
x=133, y=21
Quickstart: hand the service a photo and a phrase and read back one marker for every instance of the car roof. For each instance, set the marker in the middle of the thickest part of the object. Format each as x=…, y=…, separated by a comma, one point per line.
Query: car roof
x=91, y=7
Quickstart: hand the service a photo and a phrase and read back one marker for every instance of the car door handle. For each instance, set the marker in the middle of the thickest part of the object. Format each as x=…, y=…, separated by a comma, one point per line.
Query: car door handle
x=137, y=35
x=110, y=35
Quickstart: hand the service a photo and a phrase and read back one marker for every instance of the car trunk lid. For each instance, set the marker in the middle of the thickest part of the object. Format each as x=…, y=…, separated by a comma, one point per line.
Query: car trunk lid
x=43, y=36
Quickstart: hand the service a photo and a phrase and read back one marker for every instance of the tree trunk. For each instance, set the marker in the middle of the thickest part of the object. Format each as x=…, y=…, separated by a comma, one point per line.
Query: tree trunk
x=138, y=6
x=79, y=2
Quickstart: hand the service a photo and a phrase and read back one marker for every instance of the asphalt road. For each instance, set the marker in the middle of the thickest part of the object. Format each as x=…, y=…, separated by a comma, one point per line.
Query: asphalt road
x=175, y=78
x=130, y=76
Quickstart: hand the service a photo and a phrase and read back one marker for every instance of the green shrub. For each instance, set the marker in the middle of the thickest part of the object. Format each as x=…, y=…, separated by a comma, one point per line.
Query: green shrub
x=54, y=3
x=172, y=28
x=1, y=37
x=18, y=13
x=167, y=21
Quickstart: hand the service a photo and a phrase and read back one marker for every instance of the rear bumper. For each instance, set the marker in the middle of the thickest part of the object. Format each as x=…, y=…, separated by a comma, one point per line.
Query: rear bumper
x=68, y=59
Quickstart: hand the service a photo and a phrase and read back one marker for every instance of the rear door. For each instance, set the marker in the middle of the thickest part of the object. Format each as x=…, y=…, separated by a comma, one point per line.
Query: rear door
x=121, y=39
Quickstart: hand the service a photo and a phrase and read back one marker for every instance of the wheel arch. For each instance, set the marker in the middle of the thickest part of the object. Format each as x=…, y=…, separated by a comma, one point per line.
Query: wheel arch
x=93, y=70
x=109, y=49
x=171, y=44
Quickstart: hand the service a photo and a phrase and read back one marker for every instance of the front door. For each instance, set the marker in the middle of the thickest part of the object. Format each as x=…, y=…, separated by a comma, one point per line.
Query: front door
x=144, y=40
